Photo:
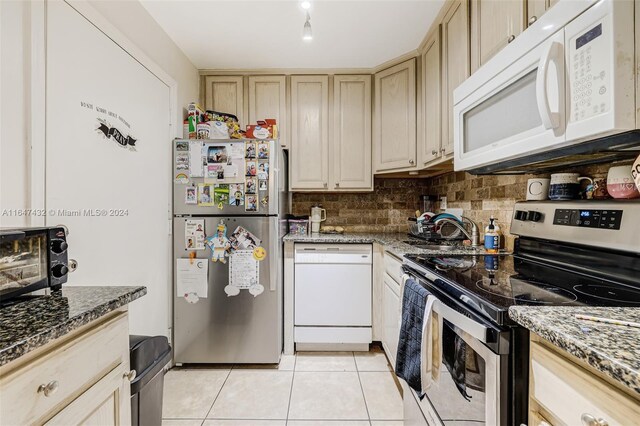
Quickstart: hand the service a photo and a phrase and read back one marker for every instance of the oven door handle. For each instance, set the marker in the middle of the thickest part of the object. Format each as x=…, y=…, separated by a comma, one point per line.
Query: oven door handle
x=471, y=327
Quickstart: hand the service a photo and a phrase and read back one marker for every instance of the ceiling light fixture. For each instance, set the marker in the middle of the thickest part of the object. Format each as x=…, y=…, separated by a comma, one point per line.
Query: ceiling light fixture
x=305, y=5
x=306, y=31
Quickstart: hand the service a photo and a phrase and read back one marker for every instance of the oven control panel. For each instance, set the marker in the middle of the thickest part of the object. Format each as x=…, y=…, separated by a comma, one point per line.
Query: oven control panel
x=588, y=218
x=595, y=223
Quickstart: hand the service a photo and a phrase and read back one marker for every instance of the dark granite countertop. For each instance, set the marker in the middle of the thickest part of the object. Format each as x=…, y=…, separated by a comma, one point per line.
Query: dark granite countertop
x=29, y=322
x=393, y=243
x=611, y=349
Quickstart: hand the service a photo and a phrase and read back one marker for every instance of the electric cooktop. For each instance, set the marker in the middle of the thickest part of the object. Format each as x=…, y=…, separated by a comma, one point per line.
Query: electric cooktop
x=492, y=283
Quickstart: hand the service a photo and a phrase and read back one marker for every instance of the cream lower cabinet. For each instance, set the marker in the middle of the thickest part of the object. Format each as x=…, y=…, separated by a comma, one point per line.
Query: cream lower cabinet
x=563, y=391
x=79, y=379
x=351, y=138
x=494, y=24
x=391, y=306
x=394, y=122
x=331, y=139
x=391, y=313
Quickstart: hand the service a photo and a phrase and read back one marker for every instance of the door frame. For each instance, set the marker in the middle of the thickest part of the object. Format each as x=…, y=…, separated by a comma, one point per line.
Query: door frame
x=38, y=69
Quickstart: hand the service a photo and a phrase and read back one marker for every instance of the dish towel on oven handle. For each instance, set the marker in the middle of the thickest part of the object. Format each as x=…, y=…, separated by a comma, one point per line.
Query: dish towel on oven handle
x=419, y=351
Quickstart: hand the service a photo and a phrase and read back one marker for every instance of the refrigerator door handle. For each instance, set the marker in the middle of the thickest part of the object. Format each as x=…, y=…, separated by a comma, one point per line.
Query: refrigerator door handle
x=273, y=253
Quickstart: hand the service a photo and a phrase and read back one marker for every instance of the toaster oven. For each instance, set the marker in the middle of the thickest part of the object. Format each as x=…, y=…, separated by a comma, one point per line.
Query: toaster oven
x=32, y=259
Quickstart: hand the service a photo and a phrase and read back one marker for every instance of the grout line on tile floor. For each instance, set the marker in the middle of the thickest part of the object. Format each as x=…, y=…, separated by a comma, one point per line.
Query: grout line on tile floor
x=293, y=378
x=216, y=398
x=366, y=406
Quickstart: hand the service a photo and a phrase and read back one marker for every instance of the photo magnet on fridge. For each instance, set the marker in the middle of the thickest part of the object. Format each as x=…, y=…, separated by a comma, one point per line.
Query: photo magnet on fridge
x=251, y=185
x=263, y=151
x=191, y=195
x=205, y=194
x=250, y=150
x=217, y=155
x=221, y=194
x=263, y=185
x=182, y=146
x=251, y=203
x=251, y=168
x=263, y=170
x=236, y=194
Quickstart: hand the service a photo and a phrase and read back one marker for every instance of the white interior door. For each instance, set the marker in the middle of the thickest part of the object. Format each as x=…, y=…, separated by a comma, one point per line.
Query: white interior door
x=114, y=198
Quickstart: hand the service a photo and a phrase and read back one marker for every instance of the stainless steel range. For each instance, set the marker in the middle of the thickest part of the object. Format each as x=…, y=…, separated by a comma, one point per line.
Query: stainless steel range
x=567, y=253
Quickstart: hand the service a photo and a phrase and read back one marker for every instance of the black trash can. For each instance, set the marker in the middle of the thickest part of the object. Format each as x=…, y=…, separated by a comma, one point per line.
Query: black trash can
x=148, y=355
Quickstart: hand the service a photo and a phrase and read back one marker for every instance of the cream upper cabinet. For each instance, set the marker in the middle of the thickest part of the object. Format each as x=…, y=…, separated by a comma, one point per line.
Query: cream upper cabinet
x=431, y=136
x=535, y=9
x=225, y=94
x=351, y=138
x=494, y=24
x=267, y=99
x=394, y=123
x=456, y=63
x=309, y=143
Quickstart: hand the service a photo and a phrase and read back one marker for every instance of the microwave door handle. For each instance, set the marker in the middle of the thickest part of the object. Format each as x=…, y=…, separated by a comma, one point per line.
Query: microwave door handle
x=552, y=53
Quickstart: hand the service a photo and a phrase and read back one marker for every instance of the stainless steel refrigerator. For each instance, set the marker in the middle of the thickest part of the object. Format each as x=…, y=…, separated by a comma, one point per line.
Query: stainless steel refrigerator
x=231, y=329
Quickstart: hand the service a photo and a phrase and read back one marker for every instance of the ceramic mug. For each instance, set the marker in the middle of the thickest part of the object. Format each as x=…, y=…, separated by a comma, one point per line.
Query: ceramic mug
x=566, y=186
x=538, y=189
x=620, y=183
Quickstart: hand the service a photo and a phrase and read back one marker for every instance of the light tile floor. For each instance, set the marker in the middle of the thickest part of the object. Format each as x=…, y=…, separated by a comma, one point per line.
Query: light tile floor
x=307, y=389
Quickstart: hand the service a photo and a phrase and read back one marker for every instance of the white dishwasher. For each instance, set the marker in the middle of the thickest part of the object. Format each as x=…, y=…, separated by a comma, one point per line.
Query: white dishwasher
x=332, y=293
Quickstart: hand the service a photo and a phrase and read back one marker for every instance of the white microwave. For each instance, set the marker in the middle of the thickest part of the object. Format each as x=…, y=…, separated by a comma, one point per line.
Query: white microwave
x=557, y=93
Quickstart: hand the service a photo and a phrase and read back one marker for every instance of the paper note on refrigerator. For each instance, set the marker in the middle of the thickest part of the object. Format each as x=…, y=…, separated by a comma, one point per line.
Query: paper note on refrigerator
x=195, y=159
x=191, y=277
x=244, y=273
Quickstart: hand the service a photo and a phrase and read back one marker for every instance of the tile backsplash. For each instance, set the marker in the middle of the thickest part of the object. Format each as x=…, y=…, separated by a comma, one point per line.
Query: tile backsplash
x=393, y=200
x=386, y=209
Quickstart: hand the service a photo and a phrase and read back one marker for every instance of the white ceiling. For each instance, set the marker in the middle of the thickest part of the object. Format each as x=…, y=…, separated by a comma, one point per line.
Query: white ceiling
x=237, y=34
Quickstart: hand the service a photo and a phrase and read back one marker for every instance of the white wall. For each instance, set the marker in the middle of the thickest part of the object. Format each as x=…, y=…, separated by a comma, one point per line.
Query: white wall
x=132, y=20
x=18, y=79
x=14, y=110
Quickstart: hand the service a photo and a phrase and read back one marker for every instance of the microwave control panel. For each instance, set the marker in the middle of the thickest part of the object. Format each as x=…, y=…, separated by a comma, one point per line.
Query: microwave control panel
x=589, y=72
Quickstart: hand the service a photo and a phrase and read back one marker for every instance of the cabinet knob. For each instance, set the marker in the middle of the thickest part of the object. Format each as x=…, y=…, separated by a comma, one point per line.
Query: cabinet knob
x=434, y=152
x=589, y=420
x=49, y=389
x=130, y=375
x=533, y=19
x=325, y=184
x=337, y=184
x=73, y=265
x=511, y=38
x=411, y=161
x=443, y=150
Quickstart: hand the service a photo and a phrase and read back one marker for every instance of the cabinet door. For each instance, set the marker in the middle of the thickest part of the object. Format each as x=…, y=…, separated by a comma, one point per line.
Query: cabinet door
x=431, y=107
x=535, y=9
x=106, y=403
x=309, y=132
x=394, y=128
x=267, y=99
x=225, y=94
x=351, y=144
x=456, y=65
x=494, y=24
x=391, y=314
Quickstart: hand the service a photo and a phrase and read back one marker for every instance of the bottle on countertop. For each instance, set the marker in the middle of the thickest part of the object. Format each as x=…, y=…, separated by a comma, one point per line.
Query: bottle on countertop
x=492, y=237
